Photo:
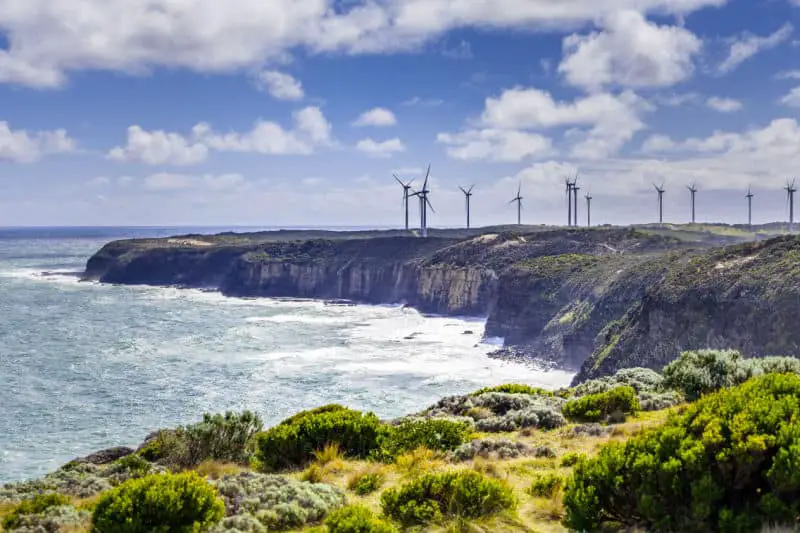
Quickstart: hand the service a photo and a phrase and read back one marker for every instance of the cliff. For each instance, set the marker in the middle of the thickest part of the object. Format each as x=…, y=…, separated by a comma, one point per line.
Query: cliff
x=593, y=300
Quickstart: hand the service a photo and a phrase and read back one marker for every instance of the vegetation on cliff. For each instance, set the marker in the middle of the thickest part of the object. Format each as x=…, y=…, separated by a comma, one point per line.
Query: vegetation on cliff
x=722, y=463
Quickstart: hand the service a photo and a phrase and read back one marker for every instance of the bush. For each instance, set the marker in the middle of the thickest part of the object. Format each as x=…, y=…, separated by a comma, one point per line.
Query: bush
x=700, y=372
x=571, y=458
x=514, y=388
x=494, y=449
x=357, y=519
x=545, y=485
x=294, y=441
x=223, y=438
x=641, y=379
x=729, y=462
x=600, y=406
x=36, y=505
x=366, y=482
x=433, y=497
x=81, y=480
x=277, y=502
x=438, y=434
x=159, y=503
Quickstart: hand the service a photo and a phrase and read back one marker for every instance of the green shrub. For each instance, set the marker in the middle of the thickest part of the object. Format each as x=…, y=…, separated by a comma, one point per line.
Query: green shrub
x=357, y=519
x=294, y=441
x=700, y=372
x=545, y=485
x=159, y=503
x=366, y=483
x=600, y=406
x=438, y=434
x=37, y=505
x=225, y=438
x=730, y=462
x=459, y=494
x=571, y=458
x=514, y=388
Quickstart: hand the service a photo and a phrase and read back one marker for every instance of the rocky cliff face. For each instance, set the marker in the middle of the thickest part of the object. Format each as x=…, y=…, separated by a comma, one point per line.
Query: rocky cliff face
x=594, y=300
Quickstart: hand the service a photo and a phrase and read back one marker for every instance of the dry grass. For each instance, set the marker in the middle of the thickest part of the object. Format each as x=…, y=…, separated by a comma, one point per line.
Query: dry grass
x=214, y=470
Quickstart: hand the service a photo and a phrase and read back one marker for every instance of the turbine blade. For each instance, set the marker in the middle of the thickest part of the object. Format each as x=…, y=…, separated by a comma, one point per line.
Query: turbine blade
x=471, y=187
x=398, y=180
x=427, y=175
x=429, y=204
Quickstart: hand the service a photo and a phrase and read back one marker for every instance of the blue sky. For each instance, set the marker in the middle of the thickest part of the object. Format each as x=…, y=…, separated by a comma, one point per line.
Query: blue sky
x=296, y=112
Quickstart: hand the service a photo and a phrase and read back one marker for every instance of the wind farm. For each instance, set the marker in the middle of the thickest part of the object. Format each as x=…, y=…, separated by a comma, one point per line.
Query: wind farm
x=572, y=189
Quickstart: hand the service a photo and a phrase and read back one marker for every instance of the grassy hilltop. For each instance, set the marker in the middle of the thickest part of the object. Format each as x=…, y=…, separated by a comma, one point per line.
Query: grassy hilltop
x=713, y=444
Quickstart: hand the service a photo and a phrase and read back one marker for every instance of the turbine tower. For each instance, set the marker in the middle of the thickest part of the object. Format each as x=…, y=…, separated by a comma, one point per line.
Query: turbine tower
x=518, y=199
x=406, y=188
x=569, y=185
x=692, y=190
x=790, y=190
x=575, y=190
x=749, y=197
x=589, y=210
x=424, y=204
x=660, y=191
x=467, y=195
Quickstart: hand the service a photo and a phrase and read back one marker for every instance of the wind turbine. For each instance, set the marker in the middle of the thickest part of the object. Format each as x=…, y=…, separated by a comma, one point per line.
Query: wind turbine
x=406, y=188
x=424, y=204
x=588, y=210
x=660, y=191
x=575, y=190
x=749, y=197
x=569, y=201
x=467, y=195
x=692, y=190
x=790, y=190
x=518, y=199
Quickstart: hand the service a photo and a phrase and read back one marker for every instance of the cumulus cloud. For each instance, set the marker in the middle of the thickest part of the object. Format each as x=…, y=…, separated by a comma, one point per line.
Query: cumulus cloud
x=724, y=105
x=48, y=39
x=629, y=52
x=167, y=181
x=600, y=123
x=22, y=146
x=377, y=117
x=495, y=145
x=311, y=130
x=748, y=45
x=280, y=85
x=792, y=98
x=380, y=149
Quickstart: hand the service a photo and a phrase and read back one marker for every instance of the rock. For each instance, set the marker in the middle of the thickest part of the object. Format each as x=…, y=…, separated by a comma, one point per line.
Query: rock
x=104, y=457
x=469, y=332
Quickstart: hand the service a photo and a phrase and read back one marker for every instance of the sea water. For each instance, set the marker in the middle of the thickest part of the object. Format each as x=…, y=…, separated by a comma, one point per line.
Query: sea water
x=86, y=366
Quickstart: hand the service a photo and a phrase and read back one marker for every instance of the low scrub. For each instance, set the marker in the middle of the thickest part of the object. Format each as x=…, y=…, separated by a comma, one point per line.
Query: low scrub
x=492, y=449
x=34, y=506
x=545, y=485
x=700, y=372
x=603, y=405
x=293, y=442
x=277, y=502
x=173, y=503
x=436, y=497
x=220, y=437
x=366, y=481
x=357, y=519
x=514, y=388
x=439, y=434
x=728, y=462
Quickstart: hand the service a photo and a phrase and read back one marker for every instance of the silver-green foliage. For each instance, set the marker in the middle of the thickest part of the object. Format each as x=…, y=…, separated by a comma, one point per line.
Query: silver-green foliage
x=51, y=519
x=275, y=501
x=508, y=412
x=494, y=449
x=649, y=385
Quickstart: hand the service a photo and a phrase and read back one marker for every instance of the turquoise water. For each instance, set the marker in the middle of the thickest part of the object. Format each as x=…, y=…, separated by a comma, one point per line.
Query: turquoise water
x=85, y=366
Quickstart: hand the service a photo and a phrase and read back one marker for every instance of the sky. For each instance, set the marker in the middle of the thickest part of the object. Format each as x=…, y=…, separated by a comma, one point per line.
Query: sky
x=298, y=112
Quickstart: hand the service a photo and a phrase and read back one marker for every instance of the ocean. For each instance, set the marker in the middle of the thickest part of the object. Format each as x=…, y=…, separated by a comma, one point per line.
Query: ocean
x=86, y=366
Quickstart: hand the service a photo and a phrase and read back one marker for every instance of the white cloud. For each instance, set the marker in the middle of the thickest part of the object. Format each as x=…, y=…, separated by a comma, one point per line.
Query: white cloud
x=423, y=102
x=629, y=52
x=675, y=99
x=22, y=146
x=658, y=143
x=495, y=145
x=377, y=117
x=724, y=105
x=166, y=181
x=280, y=85
x=602, y=123
x=311, y=130
x=98, y=181
x=380, y=149
x=159, y=148
x=792, y=98
x=49, y=39
x=788, y=74
x=749, y=45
